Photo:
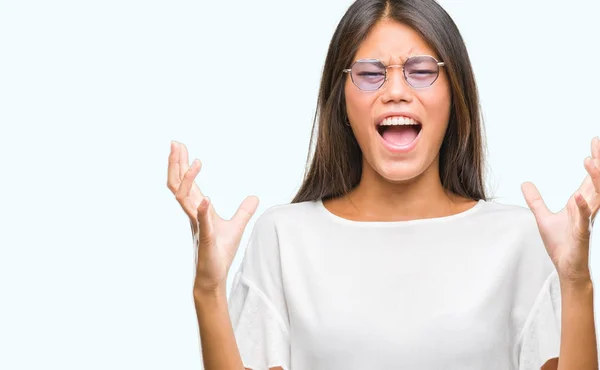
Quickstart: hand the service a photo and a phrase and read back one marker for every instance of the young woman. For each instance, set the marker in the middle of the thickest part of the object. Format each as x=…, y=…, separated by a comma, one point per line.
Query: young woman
x=391, y=256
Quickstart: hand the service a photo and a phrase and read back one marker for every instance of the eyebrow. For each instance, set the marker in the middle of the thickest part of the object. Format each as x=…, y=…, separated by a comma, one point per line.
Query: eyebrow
x=403, y=58
x=374, y=60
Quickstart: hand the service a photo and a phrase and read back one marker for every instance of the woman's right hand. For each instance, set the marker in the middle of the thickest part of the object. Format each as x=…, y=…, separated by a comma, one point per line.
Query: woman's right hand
x=216, y=240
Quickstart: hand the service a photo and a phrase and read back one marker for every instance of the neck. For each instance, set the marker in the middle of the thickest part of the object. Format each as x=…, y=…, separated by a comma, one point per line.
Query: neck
x=421, y=197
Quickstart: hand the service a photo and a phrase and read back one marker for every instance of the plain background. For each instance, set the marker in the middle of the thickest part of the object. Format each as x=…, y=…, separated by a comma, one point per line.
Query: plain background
x=96, y=262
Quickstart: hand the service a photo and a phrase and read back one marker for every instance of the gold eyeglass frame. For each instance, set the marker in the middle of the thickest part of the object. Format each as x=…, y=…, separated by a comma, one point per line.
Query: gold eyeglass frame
x=439, y=64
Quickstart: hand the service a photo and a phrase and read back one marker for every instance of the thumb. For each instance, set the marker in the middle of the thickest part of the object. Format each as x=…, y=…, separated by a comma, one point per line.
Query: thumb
x=245, y=212
x=534, y=200
x=204, y=222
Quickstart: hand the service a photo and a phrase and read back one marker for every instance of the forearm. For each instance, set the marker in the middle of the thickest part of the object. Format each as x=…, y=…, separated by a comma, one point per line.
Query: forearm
x=219, y=348
x=578, y=348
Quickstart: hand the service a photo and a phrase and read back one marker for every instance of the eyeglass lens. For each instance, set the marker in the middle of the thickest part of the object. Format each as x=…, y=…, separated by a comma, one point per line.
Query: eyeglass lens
x=419, y=71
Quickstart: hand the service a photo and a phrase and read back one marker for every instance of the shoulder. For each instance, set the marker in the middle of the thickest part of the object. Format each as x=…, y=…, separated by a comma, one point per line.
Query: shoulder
x=263, y=253
x=511, y=218
x=517, y=225
x=290, y=214
x=507, y=211
x=281, y=220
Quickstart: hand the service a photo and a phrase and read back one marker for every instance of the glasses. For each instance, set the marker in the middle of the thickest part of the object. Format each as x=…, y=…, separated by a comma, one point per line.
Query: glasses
x=419, y=71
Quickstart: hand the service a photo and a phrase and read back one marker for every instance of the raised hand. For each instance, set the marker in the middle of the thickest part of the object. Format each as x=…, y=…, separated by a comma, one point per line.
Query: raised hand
x=216, y=240
x=566, y=234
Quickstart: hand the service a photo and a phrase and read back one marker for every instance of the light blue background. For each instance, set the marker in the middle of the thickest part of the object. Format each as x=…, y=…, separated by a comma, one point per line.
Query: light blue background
x=96, y=262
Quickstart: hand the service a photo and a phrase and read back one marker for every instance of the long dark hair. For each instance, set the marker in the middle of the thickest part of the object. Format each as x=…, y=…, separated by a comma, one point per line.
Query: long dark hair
x=336, y=164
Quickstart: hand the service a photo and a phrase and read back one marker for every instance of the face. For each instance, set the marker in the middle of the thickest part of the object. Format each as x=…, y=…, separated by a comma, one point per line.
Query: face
x=398, y=153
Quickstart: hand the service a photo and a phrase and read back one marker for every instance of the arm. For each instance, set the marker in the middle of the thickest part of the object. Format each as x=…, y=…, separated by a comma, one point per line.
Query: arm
x=566, y=236
x=578, y=348
x=219, y=349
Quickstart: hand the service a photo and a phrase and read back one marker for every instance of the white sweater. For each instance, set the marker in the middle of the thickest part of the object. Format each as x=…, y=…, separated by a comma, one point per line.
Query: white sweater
x=470, y=291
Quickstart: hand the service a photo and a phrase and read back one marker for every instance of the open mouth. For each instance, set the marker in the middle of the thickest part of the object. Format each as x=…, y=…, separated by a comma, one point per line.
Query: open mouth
x=399, y=131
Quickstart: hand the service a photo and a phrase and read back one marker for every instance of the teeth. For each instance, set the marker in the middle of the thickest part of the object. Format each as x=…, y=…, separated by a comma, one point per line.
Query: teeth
x=393, y=121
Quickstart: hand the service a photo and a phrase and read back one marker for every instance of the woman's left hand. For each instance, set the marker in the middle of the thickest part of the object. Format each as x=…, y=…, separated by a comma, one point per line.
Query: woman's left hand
x=566, y=234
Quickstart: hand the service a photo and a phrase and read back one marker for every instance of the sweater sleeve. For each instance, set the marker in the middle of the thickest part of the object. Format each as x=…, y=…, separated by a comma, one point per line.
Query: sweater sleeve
x=256, y=301
x=539, y=340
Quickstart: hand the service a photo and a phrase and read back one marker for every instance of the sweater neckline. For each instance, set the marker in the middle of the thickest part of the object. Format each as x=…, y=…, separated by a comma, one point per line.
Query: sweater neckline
x=431, y=220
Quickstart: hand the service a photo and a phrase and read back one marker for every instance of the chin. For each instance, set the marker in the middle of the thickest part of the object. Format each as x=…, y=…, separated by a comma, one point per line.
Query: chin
x=401, y=167
x=399, y=171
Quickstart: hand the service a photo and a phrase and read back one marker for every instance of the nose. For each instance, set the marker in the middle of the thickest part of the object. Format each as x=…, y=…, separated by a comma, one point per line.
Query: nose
x=396, y=88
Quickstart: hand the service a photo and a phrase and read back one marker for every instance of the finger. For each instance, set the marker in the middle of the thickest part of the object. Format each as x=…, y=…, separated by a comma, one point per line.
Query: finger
x=245, y=211
x=186, y=185
x=594, y=173
x=173, y=179
x=204, y=218
x=584, y=211
x=596, y=148
x=534, y=200
x=195, y=189
x=184, y=160
x=188, y=179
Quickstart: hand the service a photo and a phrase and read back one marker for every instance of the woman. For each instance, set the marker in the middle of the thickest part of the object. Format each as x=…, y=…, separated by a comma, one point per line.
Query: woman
x=391, y=255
